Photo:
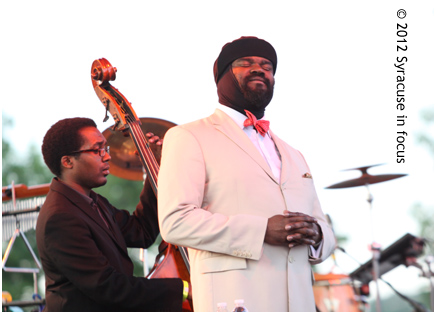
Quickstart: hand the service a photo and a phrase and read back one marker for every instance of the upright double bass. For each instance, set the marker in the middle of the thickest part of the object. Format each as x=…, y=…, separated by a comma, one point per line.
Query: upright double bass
x=172, y=261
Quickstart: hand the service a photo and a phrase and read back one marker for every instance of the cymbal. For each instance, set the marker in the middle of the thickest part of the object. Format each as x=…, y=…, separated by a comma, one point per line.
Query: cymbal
x=124, y=162
x=365, y=178
x=363, y=169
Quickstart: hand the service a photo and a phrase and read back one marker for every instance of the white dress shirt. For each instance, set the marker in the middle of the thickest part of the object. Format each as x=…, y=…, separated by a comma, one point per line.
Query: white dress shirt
x=264, y=144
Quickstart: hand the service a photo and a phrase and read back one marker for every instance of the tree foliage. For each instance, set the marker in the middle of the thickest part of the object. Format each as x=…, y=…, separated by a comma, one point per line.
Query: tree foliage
x=423, y=214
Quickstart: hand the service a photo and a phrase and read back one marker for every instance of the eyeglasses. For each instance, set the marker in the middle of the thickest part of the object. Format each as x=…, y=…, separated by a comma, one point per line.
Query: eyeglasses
x=101, y=151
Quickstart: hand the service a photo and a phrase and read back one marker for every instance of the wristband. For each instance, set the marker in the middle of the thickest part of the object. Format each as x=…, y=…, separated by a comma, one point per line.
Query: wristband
x=185, y=290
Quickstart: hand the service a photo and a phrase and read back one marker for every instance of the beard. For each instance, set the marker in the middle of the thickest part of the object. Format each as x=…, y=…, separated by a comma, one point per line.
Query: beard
x=240, y=97
x=257, y=98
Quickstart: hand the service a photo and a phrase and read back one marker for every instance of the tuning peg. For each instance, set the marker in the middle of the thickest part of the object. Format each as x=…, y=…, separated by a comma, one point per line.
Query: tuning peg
x=96, y=73
x=106, y=117
x=105, y=101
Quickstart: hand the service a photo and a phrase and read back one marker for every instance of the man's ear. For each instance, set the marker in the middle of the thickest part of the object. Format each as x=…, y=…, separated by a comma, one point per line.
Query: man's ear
x=67, y=162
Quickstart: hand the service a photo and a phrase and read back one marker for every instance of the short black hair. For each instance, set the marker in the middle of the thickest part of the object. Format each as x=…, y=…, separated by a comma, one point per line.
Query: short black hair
x=62, y=139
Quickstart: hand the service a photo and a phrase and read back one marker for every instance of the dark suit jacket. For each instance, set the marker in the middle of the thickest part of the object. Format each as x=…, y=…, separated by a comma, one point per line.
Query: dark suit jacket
x=86, y=265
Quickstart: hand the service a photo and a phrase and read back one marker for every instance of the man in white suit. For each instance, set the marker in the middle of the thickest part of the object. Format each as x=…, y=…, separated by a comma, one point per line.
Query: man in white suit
x=241, y=199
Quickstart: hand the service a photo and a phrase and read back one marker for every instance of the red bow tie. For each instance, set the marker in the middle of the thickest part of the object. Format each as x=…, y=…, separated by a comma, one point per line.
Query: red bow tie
x=262, y=126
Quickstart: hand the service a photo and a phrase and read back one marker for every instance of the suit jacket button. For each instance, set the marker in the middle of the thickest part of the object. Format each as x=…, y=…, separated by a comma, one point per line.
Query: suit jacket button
x=291, y=259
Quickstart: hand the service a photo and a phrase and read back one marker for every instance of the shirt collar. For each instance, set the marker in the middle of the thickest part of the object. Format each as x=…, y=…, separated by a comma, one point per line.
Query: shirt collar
x=89, y=199
x=236, y=116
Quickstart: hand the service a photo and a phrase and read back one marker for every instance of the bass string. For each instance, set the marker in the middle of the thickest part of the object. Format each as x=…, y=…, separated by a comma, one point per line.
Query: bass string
x=144, y=148
x=138, y=132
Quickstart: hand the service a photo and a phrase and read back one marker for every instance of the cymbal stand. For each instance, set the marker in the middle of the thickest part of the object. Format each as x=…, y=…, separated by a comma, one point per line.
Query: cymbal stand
x=375, y=249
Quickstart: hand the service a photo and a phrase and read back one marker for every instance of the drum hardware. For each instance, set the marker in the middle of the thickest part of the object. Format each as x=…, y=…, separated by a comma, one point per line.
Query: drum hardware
x=365, y=180
x=39, y=303
x=336, y=293
x=22, y=191
x=403, y=252
x=19, y=216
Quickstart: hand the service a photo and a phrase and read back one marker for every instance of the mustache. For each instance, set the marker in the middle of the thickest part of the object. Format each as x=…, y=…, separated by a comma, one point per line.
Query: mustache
x=260, y=75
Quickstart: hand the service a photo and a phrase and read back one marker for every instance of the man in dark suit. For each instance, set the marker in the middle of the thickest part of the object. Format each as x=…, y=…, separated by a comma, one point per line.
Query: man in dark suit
x=82, y=239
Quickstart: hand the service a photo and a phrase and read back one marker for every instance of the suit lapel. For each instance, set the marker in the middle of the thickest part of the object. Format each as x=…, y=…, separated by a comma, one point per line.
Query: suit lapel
x=289, y=168
x=81, y=203
x=115, y=231
x=230, y=129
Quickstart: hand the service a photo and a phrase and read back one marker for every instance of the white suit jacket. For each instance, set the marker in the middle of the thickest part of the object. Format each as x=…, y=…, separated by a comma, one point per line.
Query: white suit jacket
x=216, y=193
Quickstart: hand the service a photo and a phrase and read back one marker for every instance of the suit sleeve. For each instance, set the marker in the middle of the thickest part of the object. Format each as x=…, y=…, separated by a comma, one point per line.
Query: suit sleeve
x=183, y=221
x=140, y=229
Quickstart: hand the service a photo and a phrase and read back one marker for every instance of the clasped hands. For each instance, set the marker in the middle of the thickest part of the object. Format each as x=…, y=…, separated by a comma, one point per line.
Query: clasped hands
x=292, y=229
